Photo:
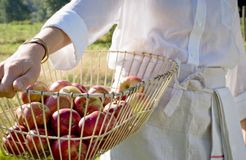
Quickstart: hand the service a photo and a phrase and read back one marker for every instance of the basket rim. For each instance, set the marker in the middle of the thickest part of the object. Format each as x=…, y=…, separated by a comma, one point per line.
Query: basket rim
x=170, y=72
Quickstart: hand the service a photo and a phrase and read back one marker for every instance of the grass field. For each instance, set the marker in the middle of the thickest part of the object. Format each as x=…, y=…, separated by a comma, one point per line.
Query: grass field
x=14, y=34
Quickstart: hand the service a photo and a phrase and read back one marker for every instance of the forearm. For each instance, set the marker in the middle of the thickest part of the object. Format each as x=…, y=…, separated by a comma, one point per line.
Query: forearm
x=54, y=38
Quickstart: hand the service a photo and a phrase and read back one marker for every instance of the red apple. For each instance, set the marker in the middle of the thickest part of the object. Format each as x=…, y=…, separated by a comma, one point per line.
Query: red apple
x=13, y=141
x=100, y=89
x=69, y=89
x=120, y=109
x=17, y=136
x=60, y=121
x=139, y=102
x=52, y=103
x=93, y=104
x=57, y=85
x=64, y=148
x=80, y=87
x=38, y=146
x=33, y=113
x=89, y=124
x=28, y=97
x=13, y=147
x=19, y=114
x=129, y=81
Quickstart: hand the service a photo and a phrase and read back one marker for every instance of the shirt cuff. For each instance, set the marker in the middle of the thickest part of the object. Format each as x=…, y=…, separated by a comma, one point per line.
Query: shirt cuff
x=241, y=103
x=75, y=28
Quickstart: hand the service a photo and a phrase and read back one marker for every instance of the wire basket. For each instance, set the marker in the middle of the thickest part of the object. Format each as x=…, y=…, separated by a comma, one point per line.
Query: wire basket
x=42, y=123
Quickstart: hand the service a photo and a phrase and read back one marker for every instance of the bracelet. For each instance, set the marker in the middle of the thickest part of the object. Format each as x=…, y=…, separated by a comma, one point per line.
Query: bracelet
x=40, y=42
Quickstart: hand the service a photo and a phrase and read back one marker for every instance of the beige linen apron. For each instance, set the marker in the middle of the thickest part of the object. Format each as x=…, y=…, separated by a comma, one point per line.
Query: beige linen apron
x=191, y=125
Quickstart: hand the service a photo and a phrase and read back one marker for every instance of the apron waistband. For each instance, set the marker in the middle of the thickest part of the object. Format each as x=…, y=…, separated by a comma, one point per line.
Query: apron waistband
x=190, y=77
x=212, y=77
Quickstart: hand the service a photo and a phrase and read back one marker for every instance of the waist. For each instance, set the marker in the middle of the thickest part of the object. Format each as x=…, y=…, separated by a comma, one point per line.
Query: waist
x=210, y=77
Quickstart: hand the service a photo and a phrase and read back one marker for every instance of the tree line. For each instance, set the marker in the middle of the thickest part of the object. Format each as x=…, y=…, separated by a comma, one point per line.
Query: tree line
x=31, y=10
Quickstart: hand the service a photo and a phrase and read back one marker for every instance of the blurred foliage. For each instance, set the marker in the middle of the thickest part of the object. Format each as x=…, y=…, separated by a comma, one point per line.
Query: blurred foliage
x=13, y=10
x=34, y=10
x=53, y=5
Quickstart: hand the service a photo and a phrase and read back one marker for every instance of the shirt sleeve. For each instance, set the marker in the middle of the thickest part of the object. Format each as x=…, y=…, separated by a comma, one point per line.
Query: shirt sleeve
x=236, y=77
x=83, y=21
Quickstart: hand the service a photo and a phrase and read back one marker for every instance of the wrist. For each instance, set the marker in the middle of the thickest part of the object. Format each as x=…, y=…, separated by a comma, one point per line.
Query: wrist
x=31, y=51
x=40, y=48
x=38, y=51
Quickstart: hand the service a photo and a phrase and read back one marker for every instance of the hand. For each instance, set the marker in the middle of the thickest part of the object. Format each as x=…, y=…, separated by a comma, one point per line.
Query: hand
x=243, y=126
x=21, y=69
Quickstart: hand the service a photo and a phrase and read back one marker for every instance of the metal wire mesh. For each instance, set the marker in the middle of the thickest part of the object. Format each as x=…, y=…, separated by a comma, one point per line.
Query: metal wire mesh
x=34, y=137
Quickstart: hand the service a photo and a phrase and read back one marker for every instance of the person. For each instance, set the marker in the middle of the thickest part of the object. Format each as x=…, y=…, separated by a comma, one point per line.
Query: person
x=201, y=119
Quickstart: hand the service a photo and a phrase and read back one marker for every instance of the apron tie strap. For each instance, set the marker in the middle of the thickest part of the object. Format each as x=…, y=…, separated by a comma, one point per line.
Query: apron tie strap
x=229, y=122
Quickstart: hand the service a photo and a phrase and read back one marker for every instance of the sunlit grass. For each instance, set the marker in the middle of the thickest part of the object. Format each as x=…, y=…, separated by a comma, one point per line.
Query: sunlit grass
x=12, y=35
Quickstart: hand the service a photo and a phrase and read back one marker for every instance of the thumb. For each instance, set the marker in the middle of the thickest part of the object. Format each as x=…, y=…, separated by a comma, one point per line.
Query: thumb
x=18, y=85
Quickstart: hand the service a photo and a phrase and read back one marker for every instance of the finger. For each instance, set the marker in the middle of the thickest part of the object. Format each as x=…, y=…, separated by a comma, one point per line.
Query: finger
x=11, y=72
x=23, y=81
x=7, y=94
x=1, y=70
x=6, y=91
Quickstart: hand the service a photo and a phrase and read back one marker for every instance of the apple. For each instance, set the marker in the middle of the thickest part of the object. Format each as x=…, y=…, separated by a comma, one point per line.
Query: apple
x=65, y=149
x=60, y=121
x=57, y=85
x=28, y=97
x=13, y=147
x=19, y=114
x=120, y=109
x=17, y=136
x=139, y=102
x=70, y=89
x=13, y=141
x=38, y=146
x=93, y=104
x=52, y=103
x=129, y=81
x=95, y=123
x=80, y=87
x=33, y=113
x=100, y=89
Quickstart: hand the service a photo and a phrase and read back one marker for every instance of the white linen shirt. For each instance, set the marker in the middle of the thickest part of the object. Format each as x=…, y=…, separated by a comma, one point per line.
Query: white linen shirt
x=200, y=32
